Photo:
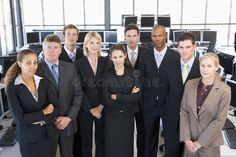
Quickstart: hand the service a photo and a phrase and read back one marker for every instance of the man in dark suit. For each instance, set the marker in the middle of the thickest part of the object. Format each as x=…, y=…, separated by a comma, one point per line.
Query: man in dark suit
x=70, y=52
x=178, y=72
x=152, y=65
x=134, y=51
x=64, y=79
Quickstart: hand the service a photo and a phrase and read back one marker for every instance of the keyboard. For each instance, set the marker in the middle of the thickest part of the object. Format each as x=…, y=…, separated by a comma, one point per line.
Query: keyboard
x=230, y=136
x=9, y=137
x=228, y=125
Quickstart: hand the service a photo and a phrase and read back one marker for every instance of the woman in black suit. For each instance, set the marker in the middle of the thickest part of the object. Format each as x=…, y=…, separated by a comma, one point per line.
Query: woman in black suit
x=121, y=94
x=32, y=102
x=90, y=68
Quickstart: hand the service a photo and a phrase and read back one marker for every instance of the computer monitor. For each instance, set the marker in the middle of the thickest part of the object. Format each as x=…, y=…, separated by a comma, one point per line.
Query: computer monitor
x=110, y=37
x=145, y=36
x=164, y=21
x=101, y=33
x=232, y=85
x=197, y=34
x=3, y=101
x=32, y=37
x=147, y=20
x=208, y=36
x=176, y=35
x=6, y=62
x=130, y=19
x=226, y=61
x=43, y=34
x=82, y=35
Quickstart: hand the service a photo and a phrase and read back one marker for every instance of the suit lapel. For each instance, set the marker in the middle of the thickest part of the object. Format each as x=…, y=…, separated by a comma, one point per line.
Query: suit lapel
x=48, y=74
x=212, y=94
x=193, y=93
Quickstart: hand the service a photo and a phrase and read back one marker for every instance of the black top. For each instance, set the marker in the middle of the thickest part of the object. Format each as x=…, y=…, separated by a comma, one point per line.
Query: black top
x=121, y=86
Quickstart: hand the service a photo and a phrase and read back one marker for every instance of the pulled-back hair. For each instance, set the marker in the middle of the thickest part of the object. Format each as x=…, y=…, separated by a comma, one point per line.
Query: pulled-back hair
x=15, y=69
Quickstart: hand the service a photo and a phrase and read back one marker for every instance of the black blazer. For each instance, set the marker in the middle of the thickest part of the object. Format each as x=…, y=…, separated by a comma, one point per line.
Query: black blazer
x=174, y=88
x=140, y=51
x=153, y=96
x=91, y=84
x=122, y=86
x=69, y=92
x=66, y=58
x=26, y=110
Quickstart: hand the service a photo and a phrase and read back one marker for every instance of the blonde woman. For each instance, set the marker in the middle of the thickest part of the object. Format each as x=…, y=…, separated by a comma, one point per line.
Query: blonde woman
x=205, y=104
x=91, y=68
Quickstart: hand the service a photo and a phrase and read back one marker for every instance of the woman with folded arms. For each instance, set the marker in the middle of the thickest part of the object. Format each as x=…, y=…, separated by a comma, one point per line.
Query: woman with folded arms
x=205, y=105
x=33, y=104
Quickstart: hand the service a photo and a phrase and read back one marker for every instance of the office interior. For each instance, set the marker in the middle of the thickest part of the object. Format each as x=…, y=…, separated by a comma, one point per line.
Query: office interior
x=25, y=23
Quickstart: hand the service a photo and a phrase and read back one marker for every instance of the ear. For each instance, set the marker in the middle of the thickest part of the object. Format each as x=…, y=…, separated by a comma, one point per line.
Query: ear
x=19, y=63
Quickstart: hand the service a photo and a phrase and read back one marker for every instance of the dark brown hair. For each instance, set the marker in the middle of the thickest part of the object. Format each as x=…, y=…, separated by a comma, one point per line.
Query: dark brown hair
x=187, y=36
x=131, y=26
x=70, y=26
x=15, y=69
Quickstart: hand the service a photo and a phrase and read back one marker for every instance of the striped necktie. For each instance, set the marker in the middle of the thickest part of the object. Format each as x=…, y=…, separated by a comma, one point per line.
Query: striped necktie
x=185, y=72
x=132, y=58
x=54, y=72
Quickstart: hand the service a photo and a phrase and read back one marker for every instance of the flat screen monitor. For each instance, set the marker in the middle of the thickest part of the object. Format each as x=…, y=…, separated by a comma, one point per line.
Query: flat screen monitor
x=163, y=20
x=32, y=37
x=3, y=101
x=145, y=36
x=130, y=19
x=6, y=62
x=101, y=33
x=147, y=21
x=209, y=36
x=82, y=35
x=176, y=35
x=232, y=85
x=226, y=61
x=197, y=34
x=60, y=34
x=43, y=34
x=110, y=37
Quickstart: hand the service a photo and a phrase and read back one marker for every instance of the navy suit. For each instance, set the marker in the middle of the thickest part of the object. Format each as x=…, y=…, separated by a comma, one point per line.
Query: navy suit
x=153, y=97
x=138, y=115
x=66, y=58
x=174, y=87
x=92, y=87
x=26, y=110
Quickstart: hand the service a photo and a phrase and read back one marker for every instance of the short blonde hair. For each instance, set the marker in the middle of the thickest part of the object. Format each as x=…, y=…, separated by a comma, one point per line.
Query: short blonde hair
x=211, y=55
x=87, y=38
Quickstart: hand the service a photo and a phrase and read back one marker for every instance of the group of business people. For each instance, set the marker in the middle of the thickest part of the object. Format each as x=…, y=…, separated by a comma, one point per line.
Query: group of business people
x=73, y=88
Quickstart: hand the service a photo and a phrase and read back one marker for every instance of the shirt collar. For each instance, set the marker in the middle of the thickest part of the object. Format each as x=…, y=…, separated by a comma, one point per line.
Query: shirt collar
x=50, y=64
x=189, y=63
x=162, y=52
x=68, y=51
x=135, y=50
x=19, y=80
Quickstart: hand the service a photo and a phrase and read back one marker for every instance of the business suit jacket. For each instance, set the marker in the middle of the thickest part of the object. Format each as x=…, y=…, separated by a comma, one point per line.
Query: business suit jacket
x=90, y=83
x=174, y=88
x=205, y=126
x=153, y=96
x=125, y=101
x=26, y=110
x=69, y=92
x=140, y=51
x=66, y=58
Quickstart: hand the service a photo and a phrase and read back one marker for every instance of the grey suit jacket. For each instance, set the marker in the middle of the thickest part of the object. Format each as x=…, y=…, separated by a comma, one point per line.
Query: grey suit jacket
x=69, y=92
x=205, y=126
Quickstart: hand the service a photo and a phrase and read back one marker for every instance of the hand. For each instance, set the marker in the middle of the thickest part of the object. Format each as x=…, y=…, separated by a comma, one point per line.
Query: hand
x=62, y=122
x=135, y=90
x=197, y=145
x=97, y=111
x=113, y=96
x=190, y=146
x=48, y=110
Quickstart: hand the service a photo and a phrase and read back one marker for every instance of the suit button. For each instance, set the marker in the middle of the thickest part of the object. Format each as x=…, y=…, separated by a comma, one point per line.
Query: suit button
x=121, y=111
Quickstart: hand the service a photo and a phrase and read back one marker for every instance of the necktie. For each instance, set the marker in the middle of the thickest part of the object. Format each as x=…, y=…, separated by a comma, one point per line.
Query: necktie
x=72, y=56
x=132, y=59
x=54, y=72
x=185, y=72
